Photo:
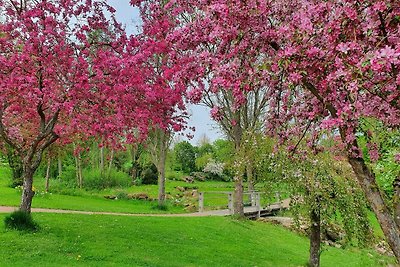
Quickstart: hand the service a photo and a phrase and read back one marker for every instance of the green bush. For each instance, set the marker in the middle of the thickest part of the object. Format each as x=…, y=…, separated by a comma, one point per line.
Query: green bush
x=174, y=175
x=163, y=207
x=150, y=175
x=122, y=195
x=21, y=221
x=94, y=179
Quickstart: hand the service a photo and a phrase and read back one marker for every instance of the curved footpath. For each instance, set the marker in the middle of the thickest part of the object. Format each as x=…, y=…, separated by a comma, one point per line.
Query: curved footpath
x=7, y=209
x=284, y=204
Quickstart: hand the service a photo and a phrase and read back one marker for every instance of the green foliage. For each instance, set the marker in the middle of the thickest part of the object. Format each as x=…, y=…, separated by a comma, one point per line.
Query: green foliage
x=149, y=175
x=256, y=151
x=185, y=156
x=174, y=175
x=122, y=195
x=319, y=183
x=95, y=179
x=375, y=134
x=21, y=221
x=163, y=207
x=205, y=149
x=15, y=163
x=224, y=150
x=202, y=161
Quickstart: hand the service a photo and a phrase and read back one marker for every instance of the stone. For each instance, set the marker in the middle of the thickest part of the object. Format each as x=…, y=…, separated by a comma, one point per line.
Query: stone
x=139, y=196
x=188, y=179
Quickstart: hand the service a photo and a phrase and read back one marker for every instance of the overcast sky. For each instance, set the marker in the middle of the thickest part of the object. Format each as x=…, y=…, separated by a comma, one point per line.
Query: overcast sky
x=200, y=119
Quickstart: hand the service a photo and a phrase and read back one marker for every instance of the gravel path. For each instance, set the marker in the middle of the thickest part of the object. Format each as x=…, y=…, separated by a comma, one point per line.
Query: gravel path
x=283, y=204
x=6, y=209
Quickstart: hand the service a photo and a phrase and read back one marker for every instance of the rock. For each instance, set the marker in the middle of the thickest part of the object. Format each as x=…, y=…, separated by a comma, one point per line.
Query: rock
x=284, y=221
x=199, y=176
x=190, y=207
x=139, y=196
x=383, y=248
x=180, y=188
x=188, y=179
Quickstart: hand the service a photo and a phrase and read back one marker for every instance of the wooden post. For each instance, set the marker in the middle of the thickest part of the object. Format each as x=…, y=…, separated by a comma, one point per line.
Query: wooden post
x=258, y=204
x=201, y=201
x=230, y=203
x=253, y=197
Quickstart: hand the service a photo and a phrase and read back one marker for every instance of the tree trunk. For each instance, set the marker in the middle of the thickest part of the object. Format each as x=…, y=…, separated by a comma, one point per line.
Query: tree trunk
x=396, y=200
x=161, y=169
x=27, y=192
x=102, y=160
x=250, y=183
x=59, y=166
x=78, y=165
x=135, y=165
x=367, y=182
x=315, y=237
x=48, y=174
x=110, y=163
x=238, y=208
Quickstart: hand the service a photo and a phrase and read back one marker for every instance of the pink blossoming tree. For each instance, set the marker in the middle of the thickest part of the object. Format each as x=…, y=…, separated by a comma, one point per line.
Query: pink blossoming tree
x=324, y=65
x=69, y=71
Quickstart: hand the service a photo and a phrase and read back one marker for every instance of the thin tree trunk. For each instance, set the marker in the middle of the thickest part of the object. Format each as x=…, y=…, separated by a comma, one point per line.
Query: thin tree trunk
x=102, y=160
x=250, y=183
x=59, y=164
x=27, y=192
x=315, y=237
x=48, y=174
x=367, y=182
x=396, y=200
x=110, y=163
x=134, y=171
x=78, y=170
x=161, y=169
x=238, y=208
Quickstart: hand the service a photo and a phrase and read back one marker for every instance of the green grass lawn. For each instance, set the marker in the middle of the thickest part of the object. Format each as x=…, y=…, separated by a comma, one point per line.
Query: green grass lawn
x=99, y=240
x=84, y=201
x=79, y=199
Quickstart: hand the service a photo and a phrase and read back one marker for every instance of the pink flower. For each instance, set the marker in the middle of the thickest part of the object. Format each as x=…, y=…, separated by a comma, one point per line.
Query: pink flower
x=216, y=113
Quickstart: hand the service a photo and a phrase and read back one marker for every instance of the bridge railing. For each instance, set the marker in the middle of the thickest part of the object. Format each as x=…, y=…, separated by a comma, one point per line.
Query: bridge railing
x=224, y=200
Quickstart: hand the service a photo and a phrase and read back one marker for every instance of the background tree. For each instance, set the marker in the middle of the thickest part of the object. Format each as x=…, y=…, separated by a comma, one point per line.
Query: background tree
x=185, y=156
x=218, y=50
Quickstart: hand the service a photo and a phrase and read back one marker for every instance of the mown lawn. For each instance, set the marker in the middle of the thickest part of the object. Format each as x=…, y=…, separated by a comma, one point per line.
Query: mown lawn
x=84, y=201
x=79, y=199
x=100, y=240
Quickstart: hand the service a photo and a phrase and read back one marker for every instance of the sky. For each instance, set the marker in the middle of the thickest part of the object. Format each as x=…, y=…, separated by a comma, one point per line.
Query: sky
x=200, y=118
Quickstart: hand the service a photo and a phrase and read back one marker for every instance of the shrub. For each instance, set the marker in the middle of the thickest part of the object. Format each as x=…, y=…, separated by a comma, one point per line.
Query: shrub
x=150, y=175
x=94, y=179
x=122, y=195
x=174, y=175
x=163, y=207
x=21, y=221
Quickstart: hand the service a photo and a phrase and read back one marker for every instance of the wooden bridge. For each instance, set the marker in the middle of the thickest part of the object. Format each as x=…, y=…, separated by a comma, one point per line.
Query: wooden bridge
x=253, y=210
